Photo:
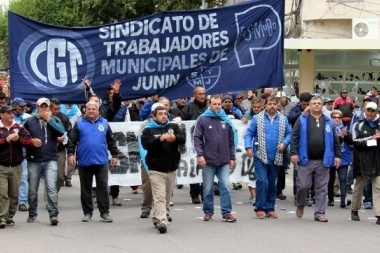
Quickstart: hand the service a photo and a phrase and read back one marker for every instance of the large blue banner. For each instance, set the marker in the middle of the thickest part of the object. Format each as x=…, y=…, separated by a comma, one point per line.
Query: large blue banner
x=232, y=48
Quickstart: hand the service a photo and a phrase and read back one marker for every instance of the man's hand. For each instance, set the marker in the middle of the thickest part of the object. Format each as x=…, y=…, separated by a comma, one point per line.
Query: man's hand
x=45, y=115
x=249, y=153
x=71, y=160
x=12, y=137
x=281, y=147
x=116, y=85
x=201, y=161
x=232, y=164
x=337, y=162
x=36, y=142
x=60, y=139
x=86, y=82
x=294, y=159
x=113, y=162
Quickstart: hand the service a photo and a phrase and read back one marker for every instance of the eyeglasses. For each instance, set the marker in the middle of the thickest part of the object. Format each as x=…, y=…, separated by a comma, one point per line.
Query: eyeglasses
x=336, y=117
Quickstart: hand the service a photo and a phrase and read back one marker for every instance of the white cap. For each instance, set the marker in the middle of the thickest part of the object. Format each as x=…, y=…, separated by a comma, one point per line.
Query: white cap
x=41, y=101
x=155, y=105
x=281, y=94
x=371, y=105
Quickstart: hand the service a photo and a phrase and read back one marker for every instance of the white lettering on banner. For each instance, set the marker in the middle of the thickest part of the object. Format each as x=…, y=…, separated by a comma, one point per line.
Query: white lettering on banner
x=127, y=172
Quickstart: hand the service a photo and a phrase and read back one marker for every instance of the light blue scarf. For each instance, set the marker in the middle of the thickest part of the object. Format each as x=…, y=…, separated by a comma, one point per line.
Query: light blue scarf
x=224, y=117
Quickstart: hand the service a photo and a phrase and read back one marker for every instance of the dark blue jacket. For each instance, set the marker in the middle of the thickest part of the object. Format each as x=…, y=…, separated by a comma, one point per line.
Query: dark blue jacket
x=48, y=151
x=214, y=139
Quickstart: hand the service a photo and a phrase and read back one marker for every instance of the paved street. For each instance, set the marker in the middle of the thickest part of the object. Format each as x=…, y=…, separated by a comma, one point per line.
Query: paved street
x=188, y=232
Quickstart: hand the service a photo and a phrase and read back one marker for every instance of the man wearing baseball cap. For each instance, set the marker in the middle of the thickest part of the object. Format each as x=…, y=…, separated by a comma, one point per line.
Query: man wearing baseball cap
x=42, y=158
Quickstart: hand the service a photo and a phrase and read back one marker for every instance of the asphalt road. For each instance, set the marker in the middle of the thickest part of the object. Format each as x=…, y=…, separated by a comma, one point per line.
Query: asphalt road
x=188, y=232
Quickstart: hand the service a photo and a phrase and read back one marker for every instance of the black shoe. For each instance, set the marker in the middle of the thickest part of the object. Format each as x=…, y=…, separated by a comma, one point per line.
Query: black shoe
x=281, y=196
x=378, y=221
x=355, y=216
x=169, y=218
x=195, y=200
x=179, y=186
x=344, y=205
x=68, y=184
x=331, y=203
x=162, y=228
x=10, y=222
x=3, y=224
x=22, y=208
x=144, y=215
x=54, y=220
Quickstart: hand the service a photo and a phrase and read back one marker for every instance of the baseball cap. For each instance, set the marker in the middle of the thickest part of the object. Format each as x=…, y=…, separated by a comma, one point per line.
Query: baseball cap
x=371, y=105
x=41, y=101
x=156, y=105
x=19, y=101
x=6, y=108
x=281, y=94
x=327, y=100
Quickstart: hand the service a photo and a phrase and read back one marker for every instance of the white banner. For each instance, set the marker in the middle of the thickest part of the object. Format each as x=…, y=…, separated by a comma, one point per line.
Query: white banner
x=128, y=172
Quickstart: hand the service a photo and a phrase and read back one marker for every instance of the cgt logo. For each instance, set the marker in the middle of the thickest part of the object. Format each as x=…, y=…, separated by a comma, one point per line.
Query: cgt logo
x=52, y=61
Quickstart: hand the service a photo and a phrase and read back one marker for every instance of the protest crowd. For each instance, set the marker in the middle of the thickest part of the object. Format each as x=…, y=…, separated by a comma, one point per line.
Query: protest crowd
x=332, y=146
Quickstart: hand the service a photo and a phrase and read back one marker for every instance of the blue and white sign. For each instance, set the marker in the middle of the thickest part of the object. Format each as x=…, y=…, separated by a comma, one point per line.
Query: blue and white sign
x=232, y=48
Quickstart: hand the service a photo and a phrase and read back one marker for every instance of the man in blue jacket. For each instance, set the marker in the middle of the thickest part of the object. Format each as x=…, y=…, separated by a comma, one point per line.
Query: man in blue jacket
x=267, y=138
x=90, y=137
x=214, y=143
x=315, y=148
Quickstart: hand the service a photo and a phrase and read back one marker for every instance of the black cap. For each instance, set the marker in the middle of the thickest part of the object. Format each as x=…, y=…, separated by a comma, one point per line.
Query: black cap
x=6, y=108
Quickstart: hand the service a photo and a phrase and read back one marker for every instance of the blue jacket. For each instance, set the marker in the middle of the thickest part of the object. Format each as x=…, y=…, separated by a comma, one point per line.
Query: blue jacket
x=271, y=135
x=91, y=140
x=329, y=154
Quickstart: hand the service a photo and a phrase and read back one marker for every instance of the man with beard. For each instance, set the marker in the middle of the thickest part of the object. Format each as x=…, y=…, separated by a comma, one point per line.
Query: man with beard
x=192, y=112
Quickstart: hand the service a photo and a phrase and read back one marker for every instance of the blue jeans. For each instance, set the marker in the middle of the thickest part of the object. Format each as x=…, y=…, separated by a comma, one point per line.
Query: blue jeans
x=265, y=186
x=49, y=171
x=222, y=173
x=24, y=186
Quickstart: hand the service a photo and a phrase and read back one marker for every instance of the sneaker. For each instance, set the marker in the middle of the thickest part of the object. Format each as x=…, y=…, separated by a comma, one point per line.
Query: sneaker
x=281, y=196
x=229, y=218
x=116, y=202
x=237, y=186
x=252, y=200
x=68, y=184
x=107, y=218
x=54, y=220
x=321, y=218
x=169, y=218
x=367, y=205
x=87, y=218
x=171, y=204
x=31, y=219
x=3, y=224
x=355, y=216
x=162, y=228
x=144, y=215
x=22, y=208
x=10, y=222
x=195, y=200
x=330, y=203
x=207, y=217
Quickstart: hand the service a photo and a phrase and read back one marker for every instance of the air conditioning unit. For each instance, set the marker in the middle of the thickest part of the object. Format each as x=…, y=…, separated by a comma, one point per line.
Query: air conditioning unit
x=366, y=28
